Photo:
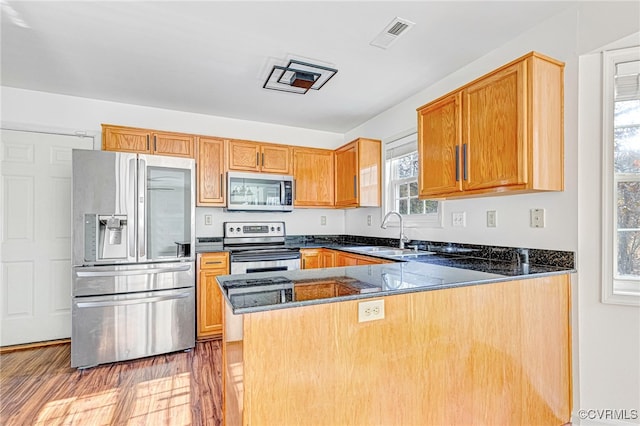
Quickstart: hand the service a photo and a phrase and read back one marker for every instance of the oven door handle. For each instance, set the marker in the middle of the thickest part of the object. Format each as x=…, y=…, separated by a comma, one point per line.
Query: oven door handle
x=264, y=258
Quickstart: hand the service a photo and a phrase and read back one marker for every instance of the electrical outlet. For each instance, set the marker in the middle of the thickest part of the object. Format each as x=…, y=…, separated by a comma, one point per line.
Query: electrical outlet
x=369, y=220
x=323, y=220
x=537, y=218
x=459, y=219
x=371, y=310
x=492, y=219
x=208, y=219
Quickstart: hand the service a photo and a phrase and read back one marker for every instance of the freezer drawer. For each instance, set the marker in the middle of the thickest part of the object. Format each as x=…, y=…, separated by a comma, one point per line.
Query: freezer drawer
x=116, y=328
x=114, y=279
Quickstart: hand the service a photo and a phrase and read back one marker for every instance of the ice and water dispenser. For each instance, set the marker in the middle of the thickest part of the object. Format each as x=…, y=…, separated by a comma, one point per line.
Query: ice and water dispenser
x=106, y=237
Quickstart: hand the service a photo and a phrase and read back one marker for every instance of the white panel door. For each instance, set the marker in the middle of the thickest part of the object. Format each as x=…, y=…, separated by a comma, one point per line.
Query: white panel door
x=35, y=235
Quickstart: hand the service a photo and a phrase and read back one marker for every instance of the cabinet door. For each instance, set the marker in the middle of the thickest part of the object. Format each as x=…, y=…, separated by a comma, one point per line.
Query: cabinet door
x=328, y=258
x=313, y=173
x=310, y=259
x=126, y=139
x=244, y=155
x=175, y=145
x=210, y=165
x=210, y=301
x=346, y=167
x=439, y=145
x=343, y=259
x=493, y=136
x=274, y=159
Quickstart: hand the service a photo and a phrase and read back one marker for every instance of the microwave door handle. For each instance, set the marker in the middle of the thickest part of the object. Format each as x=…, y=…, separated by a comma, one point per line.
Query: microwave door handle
x=142, y=192
x=282, y=195
x=131, y=208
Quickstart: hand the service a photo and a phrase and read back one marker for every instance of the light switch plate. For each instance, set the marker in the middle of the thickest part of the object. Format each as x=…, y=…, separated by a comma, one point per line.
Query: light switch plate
x=208, y=219
x=537, y=218
x=492, y=219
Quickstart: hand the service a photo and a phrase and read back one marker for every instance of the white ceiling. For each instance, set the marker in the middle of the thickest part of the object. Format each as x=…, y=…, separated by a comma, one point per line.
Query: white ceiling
x=212, y=57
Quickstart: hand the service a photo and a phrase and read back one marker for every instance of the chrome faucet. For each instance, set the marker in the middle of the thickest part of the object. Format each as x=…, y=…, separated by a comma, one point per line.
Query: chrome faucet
x=403, y=238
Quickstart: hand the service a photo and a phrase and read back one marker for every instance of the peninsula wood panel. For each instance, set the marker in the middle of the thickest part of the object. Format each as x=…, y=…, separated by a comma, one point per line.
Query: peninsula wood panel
x=487, y=354
x=314, y=176
x=211, y=171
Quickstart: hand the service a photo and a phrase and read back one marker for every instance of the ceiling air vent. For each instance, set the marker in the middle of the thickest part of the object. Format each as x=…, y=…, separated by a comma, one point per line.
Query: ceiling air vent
x=391, y=33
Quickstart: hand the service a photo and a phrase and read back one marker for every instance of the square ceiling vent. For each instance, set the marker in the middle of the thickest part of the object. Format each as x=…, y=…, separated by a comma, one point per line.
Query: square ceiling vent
x=392, y=32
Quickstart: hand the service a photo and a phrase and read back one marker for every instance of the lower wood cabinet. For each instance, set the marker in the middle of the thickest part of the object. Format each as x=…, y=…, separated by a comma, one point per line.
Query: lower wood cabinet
x=209, y=298
x=322, y=290
x=326, y=258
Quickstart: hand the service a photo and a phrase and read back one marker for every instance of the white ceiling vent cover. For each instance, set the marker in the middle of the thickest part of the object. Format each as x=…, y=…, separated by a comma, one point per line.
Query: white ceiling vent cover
x=392, y=32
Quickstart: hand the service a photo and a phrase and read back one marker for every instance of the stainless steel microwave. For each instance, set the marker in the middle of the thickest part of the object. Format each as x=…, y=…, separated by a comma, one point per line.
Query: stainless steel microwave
x=259, y=192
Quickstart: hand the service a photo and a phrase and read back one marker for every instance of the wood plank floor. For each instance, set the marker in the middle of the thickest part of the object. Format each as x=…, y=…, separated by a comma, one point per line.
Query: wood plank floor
x=38, y=387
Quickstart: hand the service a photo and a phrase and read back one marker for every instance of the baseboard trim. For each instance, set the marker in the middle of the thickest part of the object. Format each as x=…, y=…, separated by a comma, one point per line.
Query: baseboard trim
x=25, y=346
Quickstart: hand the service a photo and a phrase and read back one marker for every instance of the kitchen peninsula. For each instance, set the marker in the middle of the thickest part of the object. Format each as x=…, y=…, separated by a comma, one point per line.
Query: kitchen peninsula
x=453, y=346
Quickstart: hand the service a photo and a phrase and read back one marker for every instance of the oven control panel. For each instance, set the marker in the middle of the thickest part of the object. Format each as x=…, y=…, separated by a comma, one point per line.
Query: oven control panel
x=254, y=229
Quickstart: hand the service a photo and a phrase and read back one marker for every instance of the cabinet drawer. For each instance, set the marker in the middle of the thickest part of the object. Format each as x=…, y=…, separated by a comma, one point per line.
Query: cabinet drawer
x=214, y=261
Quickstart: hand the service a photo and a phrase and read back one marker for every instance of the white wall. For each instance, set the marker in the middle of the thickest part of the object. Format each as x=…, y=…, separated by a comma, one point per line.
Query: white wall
x=31, y=110
x=609, y=335
x=298, y=222
x=556, y=38
x=606, y=338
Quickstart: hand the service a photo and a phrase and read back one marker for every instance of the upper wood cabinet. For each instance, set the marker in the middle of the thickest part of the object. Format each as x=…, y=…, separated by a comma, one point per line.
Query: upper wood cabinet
x=358, y=174
x=314, y=177
x=146, y=141
x=502, y=133
x=259, y=157
x=209, y=297
x=211, y=172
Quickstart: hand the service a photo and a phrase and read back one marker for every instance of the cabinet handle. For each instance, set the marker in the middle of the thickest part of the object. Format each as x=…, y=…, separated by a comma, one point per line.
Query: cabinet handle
x=147, y=142
x=457, y=163
x=263, y=159
x=221, y=179
x=355, y=186
x=211, y=262
x=304, y=263
x=155, y=143
x=294, y=191
x=257, y=158
x=464, y=161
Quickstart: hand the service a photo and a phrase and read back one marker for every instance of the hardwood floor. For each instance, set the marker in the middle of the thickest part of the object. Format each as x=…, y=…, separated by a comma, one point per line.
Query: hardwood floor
x=38, y=387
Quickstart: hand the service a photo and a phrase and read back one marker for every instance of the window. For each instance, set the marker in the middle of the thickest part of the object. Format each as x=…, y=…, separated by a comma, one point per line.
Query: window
x=621, y=216
x=401, y=183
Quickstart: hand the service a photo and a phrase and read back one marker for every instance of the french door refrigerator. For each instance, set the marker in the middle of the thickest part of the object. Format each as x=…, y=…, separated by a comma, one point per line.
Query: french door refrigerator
x=133, y=263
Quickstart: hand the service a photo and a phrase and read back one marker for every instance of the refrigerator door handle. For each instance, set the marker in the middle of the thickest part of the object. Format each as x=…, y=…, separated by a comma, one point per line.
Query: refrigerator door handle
x=135, y=301
x=131, y=209
x=132, y=272
x=142, y=210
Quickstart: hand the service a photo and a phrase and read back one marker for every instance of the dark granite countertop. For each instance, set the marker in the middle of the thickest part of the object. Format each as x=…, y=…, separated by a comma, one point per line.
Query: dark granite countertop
x=373, y=281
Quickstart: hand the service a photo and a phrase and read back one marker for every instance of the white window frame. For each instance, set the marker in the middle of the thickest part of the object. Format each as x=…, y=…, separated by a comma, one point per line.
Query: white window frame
x=433, y=220
x=615, y=290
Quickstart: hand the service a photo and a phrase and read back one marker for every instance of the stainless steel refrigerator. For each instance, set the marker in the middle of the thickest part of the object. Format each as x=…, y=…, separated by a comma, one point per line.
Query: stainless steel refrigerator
x=133, y=263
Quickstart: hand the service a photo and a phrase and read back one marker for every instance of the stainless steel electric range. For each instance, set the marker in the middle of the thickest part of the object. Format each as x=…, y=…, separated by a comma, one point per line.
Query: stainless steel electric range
x=259, y=247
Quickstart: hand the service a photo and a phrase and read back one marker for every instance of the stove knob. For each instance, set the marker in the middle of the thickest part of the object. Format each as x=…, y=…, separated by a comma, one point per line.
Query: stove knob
x=238, y=229
x=278, y=228
x=272, y=229
x=230, y=229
